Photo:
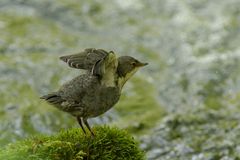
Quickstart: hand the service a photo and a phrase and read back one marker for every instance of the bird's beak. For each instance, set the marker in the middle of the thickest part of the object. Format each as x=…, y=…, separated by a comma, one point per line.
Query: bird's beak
x=140, y=64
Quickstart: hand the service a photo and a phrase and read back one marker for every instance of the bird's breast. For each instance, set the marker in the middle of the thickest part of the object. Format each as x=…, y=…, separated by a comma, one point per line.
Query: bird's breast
x=105, y=98
x=109, y=79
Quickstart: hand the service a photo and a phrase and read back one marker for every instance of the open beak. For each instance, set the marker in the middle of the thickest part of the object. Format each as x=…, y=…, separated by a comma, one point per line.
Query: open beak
x=140, y=64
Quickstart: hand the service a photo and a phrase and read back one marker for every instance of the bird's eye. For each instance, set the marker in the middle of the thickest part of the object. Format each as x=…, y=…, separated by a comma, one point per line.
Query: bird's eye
x=133, y=63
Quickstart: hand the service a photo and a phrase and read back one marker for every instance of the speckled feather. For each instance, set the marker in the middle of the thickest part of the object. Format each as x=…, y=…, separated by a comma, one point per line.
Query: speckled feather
x=84, y=96
x=85, y=59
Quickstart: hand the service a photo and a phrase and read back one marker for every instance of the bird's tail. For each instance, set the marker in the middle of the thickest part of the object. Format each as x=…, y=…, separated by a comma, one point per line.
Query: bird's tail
x=53, y=98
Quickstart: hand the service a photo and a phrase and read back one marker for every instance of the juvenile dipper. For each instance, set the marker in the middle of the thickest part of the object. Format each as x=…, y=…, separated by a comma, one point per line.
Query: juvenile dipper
x=95, y=92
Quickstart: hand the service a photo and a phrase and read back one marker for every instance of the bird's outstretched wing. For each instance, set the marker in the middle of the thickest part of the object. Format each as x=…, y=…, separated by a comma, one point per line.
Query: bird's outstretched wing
x=85, y=59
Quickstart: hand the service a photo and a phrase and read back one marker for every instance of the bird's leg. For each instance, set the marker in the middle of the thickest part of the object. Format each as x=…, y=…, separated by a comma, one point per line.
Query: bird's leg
x=89, y=128
x=79, y=119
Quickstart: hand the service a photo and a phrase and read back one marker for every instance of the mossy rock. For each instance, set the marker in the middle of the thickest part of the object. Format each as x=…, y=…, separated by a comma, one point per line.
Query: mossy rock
x=108, y=143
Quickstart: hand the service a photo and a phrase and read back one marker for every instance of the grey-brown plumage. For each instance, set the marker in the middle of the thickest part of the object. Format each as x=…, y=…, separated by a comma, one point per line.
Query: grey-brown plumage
x=92, y=94
x=85, y=59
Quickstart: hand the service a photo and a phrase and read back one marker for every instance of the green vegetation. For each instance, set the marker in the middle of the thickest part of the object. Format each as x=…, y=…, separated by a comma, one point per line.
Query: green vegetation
x=109, y=143
x=142, y=99
x=32, y=33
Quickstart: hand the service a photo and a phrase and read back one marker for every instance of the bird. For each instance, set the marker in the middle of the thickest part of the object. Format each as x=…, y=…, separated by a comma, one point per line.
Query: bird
x=97, y=90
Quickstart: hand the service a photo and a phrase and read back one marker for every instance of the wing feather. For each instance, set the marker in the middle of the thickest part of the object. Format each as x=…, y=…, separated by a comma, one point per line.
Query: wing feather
x=85, y=59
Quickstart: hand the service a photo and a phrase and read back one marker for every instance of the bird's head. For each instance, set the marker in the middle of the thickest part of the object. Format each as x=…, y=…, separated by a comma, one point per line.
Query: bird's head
x=127, y=66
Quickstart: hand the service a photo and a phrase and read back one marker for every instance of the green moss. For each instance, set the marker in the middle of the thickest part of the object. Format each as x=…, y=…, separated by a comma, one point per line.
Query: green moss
x=109, y=143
